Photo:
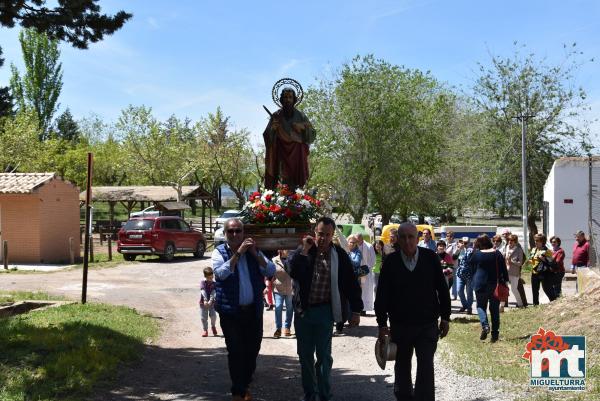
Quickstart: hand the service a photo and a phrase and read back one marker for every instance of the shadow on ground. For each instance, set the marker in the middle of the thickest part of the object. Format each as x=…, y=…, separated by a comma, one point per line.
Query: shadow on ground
x=200, y=374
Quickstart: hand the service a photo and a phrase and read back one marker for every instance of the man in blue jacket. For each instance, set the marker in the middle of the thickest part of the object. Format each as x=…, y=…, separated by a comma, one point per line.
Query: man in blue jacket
x=323, y=277
x=240, y=270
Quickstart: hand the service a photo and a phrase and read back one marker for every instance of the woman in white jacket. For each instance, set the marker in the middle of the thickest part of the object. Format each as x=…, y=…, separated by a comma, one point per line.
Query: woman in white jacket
x=514, y=256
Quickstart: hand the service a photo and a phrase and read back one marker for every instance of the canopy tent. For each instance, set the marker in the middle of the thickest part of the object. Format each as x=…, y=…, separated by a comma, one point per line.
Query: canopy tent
x=129, y=196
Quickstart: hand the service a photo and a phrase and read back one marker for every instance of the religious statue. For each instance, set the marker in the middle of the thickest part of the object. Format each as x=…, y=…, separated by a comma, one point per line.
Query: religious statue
x=287, y=138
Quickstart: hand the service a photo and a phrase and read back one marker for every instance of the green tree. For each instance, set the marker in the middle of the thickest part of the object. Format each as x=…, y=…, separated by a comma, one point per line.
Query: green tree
x=523, y=85
x=110, y=157
x=40, y=85
x=6, y=104
x=225, y=156
x=78, y=22
x=19, y=144
x=379, y=128
x=155, y=153
x=66, y=127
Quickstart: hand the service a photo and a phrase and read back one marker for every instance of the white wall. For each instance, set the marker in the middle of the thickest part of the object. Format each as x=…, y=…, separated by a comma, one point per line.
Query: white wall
x=568, y=179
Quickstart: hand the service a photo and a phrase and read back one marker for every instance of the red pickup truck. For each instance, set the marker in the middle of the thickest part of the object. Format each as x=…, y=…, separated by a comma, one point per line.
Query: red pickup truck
x=159, y=235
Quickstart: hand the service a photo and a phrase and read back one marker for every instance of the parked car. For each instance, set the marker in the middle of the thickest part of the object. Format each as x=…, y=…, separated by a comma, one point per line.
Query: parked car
x=219, y=237
x=433, y=221
x=225, y=216
x=149, y=211
x=159, y=235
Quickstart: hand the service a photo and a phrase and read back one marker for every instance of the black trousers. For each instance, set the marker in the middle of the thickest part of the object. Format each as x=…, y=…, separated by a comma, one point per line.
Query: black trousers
x=243, y=333
x=422, y=339
x=558, y=283
x=547, y=280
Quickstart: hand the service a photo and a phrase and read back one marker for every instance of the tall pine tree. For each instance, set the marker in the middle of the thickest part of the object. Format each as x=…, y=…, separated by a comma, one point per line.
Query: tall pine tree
x=39, y=87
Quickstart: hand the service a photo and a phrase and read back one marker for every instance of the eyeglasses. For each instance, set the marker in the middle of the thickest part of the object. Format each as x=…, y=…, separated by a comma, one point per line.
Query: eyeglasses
x=234, y=231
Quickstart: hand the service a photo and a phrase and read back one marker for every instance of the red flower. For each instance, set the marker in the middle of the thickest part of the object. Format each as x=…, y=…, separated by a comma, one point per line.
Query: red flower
x=295, y=197
x=275, y=208
x=268, y=198
x=260, y=216
x=288, y=213
x=318, y=203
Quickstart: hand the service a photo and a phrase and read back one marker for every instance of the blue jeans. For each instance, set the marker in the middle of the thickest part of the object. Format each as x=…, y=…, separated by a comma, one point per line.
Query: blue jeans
x=289, y=310
x=485, y=296
x=465, y=300
x=454, y=286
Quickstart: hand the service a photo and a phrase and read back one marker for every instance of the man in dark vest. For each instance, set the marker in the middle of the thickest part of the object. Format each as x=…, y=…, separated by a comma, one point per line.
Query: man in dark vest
x=413, y=294
x=240, y=270
x=323, y=277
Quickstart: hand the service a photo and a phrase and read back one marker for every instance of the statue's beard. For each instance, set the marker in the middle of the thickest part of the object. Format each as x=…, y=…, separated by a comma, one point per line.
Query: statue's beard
x=288, y=109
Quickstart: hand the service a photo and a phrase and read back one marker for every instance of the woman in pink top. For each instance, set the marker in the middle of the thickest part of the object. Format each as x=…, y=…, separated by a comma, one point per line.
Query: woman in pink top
x=558, y=254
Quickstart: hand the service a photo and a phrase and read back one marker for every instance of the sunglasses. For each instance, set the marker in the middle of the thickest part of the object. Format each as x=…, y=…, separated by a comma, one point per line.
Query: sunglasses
x=234, y=231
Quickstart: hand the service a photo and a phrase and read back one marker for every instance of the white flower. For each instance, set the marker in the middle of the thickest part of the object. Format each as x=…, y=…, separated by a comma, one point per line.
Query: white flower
x=304, y=203
x=300, y=192
x=280, y=199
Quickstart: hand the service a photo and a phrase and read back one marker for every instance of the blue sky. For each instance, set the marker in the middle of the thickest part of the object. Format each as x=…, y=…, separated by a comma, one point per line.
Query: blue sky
x=188, y=57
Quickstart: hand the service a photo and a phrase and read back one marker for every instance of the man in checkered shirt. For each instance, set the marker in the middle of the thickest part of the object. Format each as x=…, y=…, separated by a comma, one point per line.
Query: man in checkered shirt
x=323, y=279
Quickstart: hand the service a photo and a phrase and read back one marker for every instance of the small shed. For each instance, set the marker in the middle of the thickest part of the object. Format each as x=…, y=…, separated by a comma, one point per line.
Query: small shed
x=39, y=218
x=572, y=201
x=172, y=208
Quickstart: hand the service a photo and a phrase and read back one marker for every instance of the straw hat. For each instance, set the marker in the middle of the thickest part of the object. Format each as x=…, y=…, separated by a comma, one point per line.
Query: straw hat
x=384, y=351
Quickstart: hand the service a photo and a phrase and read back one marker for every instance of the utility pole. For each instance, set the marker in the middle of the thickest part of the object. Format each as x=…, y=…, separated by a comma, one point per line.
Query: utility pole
x=523, y=118
x=88, y=223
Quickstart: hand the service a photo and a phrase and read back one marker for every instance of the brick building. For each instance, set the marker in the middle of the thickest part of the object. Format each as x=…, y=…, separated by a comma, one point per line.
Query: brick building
x=39, y=212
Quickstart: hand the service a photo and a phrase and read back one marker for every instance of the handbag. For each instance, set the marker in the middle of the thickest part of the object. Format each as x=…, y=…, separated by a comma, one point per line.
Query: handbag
x=501, y=291
x=362, y=271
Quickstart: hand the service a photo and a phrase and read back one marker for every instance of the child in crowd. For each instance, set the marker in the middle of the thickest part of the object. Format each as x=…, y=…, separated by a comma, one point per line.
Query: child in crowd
x=447, y=262
x=207, y=301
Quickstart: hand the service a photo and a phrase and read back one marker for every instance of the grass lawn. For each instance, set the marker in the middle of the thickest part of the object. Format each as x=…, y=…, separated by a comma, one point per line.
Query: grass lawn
x=62, y=353
x=502, y=360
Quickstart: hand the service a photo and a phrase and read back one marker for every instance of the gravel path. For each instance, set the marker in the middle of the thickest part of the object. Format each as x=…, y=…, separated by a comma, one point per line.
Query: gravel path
x=182, y=365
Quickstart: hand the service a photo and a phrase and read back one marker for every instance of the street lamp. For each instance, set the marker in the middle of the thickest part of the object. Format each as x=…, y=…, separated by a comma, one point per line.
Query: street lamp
x=523, y=119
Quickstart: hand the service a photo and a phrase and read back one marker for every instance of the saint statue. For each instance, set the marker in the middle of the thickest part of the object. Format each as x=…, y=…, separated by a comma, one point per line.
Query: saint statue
x=287, y=138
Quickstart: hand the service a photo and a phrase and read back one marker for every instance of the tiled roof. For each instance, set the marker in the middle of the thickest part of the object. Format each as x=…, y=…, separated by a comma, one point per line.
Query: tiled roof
x=144, y=193
x=22, y=183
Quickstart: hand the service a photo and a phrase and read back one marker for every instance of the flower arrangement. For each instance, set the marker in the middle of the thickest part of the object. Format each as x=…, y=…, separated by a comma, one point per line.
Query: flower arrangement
x=280, y=207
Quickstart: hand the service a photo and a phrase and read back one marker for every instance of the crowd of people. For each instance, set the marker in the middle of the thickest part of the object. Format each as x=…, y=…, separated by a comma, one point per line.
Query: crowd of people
x=323, y=287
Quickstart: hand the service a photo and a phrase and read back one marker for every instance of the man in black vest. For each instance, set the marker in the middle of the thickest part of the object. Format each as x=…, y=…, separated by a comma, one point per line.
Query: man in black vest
x=413, y=294
x=240, y=270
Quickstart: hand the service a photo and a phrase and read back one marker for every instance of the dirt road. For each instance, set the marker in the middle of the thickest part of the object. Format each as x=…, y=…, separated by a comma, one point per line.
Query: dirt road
x=182, y=365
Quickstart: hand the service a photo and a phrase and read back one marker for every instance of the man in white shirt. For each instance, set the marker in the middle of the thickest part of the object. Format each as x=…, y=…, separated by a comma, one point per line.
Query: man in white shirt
x=367, y=283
